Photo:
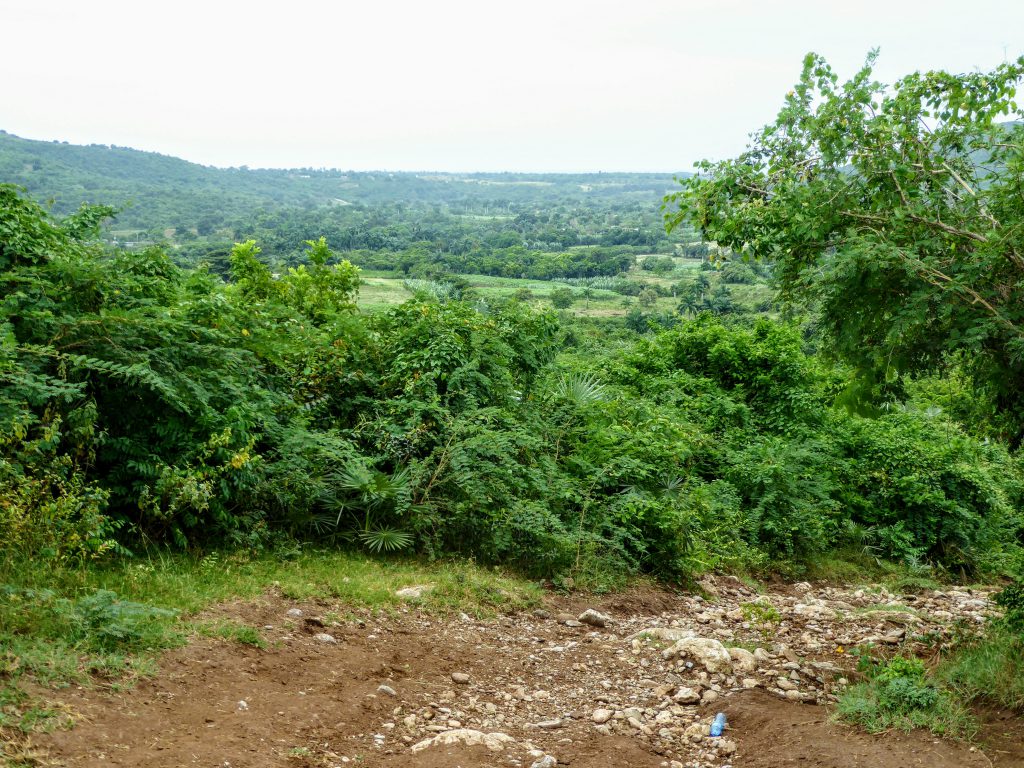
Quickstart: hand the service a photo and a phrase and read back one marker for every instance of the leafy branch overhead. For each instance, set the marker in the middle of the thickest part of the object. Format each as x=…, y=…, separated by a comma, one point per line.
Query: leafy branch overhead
x=896, y=212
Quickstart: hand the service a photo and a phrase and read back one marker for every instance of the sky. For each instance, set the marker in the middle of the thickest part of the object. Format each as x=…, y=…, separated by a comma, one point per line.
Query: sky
x=454, y=85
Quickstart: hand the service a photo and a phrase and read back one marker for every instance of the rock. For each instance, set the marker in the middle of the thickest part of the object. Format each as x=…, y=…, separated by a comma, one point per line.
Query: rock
x=632, y=713
x=697, y=731
x=762, y=655
x=794, y=695
x=545, y=762
x=709, y=697
x=496, y=742
x=413, y=592
x=460, y=677
x=786, y=684
x=686, y=696
x=634, y=723
x=802, y=587
x=294, y=612
x=711, y=653
x=387, y=690
x=602, y=716
x=743, y=660
x=410, y=721
x=572, y=623
x=750, y=682
x=323, y=637
x=814, y=611
x=594, y=618
x=243, y=706
x=550, y=725
x=726, y=746
x=664, y=634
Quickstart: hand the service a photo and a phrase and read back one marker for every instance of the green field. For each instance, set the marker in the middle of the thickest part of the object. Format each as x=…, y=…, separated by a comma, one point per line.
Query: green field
x=380, y=290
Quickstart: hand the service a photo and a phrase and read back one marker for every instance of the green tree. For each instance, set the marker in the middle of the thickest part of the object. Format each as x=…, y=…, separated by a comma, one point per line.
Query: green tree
x=897, y=211
x=562, y=298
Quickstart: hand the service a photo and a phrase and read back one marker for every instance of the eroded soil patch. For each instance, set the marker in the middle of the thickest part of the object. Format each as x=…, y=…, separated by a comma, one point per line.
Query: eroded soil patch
x=336, y=688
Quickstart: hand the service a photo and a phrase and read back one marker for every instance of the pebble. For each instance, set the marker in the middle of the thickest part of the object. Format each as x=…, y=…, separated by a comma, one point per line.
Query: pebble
x=387, y=690
x=460, y=677
x=323, y=637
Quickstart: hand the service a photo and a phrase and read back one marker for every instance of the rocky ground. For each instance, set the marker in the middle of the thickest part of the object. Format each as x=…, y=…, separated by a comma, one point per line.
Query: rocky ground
x=634, y=680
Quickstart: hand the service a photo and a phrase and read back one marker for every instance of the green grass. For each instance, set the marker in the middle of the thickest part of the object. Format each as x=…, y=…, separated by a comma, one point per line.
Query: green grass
x=900, y=694
x=760, y=613
x=380, y=290
x=990, y=668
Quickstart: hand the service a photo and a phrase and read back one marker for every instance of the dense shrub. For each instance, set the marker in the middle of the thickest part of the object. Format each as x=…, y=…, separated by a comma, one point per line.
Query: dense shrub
x=140, y=402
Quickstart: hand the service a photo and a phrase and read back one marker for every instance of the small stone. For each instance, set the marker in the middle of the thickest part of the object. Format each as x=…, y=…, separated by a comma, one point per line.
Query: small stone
x=547, y=761
x=743, y=660
x=594, y=618
x=635, y=723
x=387, y=690
x=794, y=695
x=550, y=725
x=413, y=592
x=602, y=715
x=243, y=706
x=726, y=746
x=460, y=677
x=709, y=697
x=323, y=637
x=686, y=696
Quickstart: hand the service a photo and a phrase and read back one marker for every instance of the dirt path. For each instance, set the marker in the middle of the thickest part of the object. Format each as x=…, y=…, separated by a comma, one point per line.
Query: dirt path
x=381, y=690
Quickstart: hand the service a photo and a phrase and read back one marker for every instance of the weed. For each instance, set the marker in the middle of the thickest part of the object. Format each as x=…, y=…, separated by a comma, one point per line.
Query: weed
x=760, y=612
x=899, y=693
x=238, y=633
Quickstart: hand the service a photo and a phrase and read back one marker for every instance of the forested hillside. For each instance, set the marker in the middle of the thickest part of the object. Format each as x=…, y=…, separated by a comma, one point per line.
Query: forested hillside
x=198, y=209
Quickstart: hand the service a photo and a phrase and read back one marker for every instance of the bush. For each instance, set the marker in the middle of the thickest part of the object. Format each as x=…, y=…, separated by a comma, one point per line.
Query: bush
x=562, y=298
x=900, y=694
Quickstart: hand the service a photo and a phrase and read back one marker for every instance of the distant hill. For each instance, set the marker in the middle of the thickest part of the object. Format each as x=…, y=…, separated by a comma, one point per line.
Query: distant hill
x=158, y=191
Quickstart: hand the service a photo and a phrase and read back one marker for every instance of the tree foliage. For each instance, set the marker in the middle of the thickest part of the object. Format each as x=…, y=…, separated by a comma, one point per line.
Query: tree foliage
x=896, y=212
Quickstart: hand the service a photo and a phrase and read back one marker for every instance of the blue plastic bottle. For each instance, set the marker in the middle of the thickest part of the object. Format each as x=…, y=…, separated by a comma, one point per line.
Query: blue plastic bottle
x=718, y=725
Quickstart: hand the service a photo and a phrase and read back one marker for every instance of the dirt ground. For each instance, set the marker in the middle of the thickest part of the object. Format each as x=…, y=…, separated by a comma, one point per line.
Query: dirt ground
x=314, y=695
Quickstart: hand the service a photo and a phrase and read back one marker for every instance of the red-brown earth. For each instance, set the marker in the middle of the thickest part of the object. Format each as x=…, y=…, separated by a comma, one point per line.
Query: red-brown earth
x=314, y=697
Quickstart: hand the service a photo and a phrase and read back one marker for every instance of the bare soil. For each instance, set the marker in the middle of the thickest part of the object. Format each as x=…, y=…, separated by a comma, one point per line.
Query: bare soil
x=307, y=701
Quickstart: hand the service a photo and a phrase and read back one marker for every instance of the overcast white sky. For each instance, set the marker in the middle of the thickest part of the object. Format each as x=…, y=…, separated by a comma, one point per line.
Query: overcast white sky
x=460, y=85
